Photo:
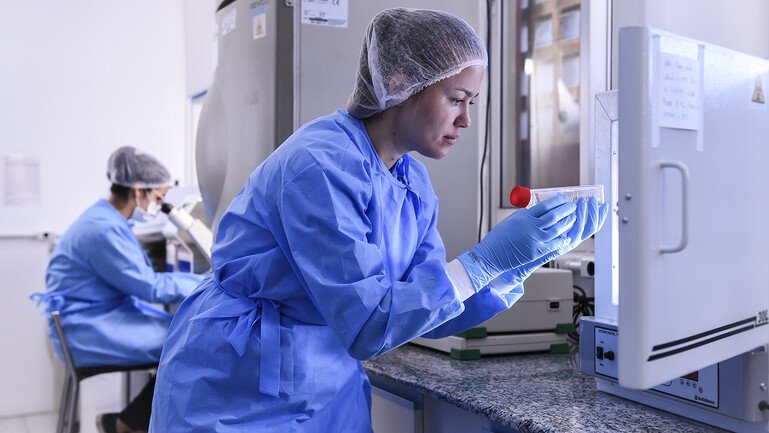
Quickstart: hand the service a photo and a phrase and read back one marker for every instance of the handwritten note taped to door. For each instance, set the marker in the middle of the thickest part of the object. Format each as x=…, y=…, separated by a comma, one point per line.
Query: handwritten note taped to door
x=680, y=92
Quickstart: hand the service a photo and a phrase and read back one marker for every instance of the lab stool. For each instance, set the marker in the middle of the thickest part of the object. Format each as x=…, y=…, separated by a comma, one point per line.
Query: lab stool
x=73, y=375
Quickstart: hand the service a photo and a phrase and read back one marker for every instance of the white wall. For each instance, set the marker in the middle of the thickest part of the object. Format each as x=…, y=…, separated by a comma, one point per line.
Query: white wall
x=78, y=79
x=738, y=25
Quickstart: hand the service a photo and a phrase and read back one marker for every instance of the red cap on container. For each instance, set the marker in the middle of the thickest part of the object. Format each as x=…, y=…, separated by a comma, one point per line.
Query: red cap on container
x=520, y=196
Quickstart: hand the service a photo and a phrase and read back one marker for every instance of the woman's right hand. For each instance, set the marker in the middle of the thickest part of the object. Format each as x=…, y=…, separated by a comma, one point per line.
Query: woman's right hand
x=524, y=236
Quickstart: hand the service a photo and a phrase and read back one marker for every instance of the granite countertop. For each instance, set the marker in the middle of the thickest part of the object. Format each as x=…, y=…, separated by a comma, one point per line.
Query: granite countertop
x=533, y=393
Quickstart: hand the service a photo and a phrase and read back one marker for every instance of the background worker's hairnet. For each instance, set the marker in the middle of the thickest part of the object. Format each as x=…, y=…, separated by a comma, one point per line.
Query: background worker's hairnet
x=406, y=50
x=134, y=169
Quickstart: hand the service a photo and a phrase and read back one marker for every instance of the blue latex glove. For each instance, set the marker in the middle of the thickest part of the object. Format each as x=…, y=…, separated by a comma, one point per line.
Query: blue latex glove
x=590, y=218
x=523, y=237
x=517, y=276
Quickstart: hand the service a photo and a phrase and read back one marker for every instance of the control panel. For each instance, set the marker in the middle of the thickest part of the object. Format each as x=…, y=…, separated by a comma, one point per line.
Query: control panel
x=606, y=352
x=700, y=386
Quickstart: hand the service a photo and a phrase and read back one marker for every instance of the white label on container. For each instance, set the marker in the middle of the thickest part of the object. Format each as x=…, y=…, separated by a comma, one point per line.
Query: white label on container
x=228, y=22
x=680, y=92
x=259, y=7
x=331, y=13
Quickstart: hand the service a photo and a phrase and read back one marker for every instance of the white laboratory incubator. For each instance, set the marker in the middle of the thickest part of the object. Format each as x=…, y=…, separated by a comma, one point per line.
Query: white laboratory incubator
x=682, y=288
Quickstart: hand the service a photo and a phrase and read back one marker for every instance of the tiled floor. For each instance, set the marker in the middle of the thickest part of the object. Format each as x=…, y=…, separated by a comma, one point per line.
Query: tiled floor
x=36, y=423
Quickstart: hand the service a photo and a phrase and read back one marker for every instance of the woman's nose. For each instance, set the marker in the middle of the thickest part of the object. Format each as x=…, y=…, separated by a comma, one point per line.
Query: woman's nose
x=463, y=120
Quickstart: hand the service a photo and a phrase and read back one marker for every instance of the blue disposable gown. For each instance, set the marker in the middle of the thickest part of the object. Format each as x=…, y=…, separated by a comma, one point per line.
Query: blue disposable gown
x=323, y=259
x=98, y=278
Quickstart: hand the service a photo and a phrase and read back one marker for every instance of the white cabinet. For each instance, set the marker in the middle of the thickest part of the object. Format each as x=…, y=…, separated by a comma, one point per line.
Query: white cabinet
x=391, y=413
x=400, y=409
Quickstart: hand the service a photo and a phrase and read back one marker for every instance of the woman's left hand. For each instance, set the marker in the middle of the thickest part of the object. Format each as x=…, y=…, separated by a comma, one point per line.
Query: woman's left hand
x=590, y=219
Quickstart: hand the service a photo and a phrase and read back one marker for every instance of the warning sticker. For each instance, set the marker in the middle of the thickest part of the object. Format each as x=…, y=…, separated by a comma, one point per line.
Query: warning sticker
x=755, y=91
x=260, y=21
x=758, y=91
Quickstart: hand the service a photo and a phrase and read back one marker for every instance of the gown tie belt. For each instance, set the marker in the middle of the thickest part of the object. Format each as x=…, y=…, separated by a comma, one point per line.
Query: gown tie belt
x=249, y=311
x=47, y=303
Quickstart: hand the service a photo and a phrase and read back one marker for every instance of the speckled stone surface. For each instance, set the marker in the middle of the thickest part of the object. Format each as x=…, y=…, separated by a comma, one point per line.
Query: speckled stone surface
x=532, y=393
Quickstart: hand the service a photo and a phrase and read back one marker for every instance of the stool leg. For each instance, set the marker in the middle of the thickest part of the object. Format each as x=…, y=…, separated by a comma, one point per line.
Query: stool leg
x=73, y=406
x=64, y=404
x=127, y=396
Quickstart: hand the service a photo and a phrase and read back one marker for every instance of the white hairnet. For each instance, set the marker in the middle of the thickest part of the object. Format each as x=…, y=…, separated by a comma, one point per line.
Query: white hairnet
x=131, y=168
x=406, y=50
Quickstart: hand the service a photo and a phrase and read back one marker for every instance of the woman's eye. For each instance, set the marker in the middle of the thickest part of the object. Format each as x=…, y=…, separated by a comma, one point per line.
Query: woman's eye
x=456, y=101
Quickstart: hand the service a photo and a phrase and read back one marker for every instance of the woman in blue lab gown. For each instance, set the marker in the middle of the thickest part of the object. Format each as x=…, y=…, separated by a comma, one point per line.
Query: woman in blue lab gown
x=101, y=281
x=330, y=254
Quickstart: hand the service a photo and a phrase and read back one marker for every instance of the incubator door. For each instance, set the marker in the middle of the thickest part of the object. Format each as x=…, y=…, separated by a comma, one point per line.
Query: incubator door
x=693, y=238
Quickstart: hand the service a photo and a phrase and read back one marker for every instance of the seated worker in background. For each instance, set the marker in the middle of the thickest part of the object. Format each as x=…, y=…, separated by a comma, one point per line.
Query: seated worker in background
x=101, y=281
x=330, y=253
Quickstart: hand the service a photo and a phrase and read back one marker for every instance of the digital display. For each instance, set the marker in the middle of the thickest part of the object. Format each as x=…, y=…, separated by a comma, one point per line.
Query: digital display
x=695, y=376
